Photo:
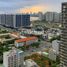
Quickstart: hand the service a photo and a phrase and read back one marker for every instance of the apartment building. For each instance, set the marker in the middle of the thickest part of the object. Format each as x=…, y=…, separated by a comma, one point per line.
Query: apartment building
x=13, y=58
x=63, y=46
x=15, y=20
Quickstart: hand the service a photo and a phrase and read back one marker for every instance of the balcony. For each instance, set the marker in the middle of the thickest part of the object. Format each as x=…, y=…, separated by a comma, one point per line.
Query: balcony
x=63, y=48
x=64, y=34
x=64, y=12
x=64, y=22
x=64, y=37
x=64, y=28
x=63, y=56
x=64, y=43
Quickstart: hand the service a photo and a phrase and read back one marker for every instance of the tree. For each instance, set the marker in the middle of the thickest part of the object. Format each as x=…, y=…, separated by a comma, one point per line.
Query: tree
x=55, y=38
x=35, y=44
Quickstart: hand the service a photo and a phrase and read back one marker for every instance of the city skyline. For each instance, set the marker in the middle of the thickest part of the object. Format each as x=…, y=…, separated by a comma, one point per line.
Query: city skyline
x=30, y=6
x=33, y=33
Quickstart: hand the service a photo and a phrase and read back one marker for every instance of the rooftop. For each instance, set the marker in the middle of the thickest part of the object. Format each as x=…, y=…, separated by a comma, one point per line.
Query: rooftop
x=26, y=39
x=31, y=63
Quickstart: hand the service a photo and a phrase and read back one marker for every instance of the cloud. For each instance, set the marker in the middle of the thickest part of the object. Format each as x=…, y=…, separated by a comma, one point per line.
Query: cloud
x=35, y=8
x=30, y=5
x=15, y=4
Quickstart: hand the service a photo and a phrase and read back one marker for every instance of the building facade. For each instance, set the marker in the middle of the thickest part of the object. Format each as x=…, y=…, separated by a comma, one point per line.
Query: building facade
x=52, y=16
x=26, y=41
x=15, y=21
x=41, y=16
x=55, y=45
x=18, y=21
x=3, y=19
x=13, y=58
x=57, y=17
x=9, y=20
x=63, y=46
x=25, y=20
x=49, y=16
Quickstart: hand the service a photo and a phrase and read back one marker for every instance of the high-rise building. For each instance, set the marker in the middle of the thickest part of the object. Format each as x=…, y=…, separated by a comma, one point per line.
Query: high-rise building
x=22, y=20
x=52, y=16
x=49, y=16
x=56, y=17
x=41, y=16
x=18, y=21
x=15, y=21
x=63, y=46
x=25, y=20
x=3, y=19
x=9, y=20
x=13, y=58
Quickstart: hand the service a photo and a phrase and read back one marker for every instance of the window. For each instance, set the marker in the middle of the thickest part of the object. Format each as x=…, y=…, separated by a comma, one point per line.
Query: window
x=64, y=6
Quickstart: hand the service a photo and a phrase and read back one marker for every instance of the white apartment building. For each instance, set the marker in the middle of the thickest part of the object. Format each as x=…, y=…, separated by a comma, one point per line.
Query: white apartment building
x=49, y=16
x=57, y=17
x=52, y=16
x=55, y=45
x=13, y=58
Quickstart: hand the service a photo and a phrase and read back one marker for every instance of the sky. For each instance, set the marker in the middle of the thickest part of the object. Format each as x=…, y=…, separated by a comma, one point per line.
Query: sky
x=30, y=6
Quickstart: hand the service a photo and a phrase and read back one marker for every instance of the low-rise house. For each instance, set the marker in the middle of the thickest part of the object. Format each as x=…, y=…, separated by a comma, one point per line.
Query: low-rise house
x=38, y=32
x=26, y=41
x=30, y=63
x=15, y=35
x=22, y=36
x=50, y=35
